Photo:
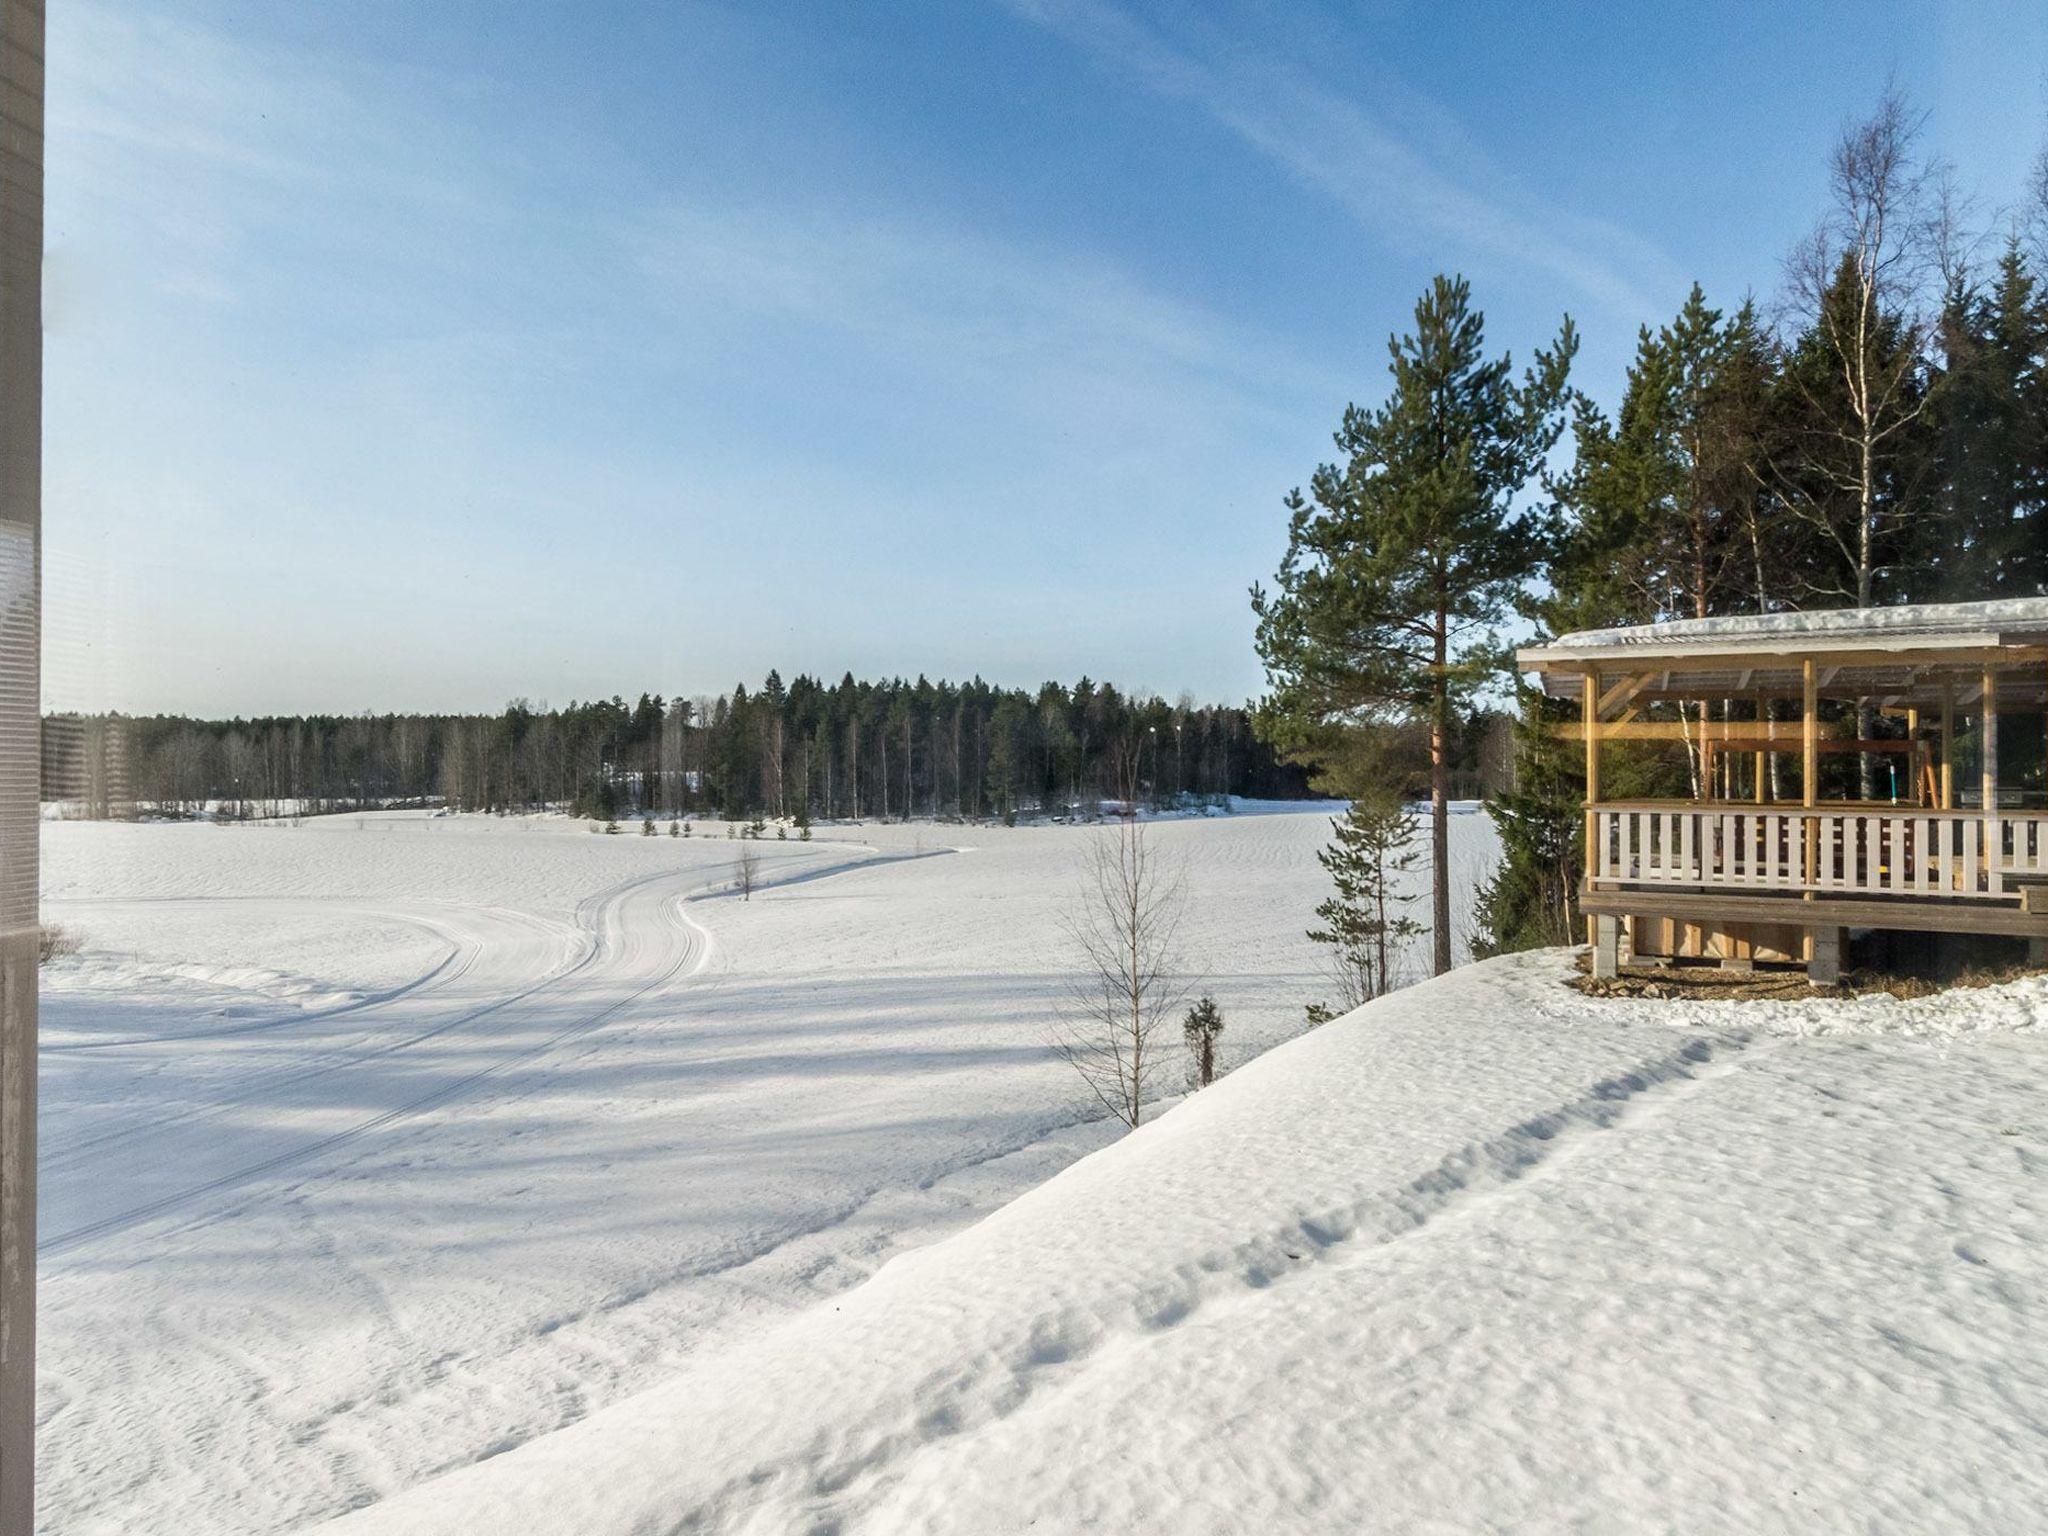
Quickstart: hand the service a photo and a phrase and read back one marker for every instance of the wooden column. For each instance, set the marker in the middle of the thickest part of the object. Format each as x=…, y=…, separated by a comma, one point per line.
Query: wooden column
x=1948, y=744
x=1993, y=844
x=1913, y=750
x=1809, y=764
x=1589, y=715
x=1988, y=769
x=21, y=523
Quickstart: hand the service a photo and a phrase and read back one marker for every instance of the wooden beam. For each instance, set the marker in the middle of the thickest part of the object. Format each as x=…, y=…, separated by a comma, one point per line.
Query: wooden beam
x=1785, y=731
x=1842, y=912
x=1623, y=691
x=1894, y=744
x=2023, y=696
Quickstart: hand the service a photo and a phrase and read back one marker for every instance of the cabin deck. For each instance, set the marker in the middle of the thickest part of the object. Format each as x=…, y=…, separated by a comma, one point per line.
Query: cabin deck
x=1761, y=862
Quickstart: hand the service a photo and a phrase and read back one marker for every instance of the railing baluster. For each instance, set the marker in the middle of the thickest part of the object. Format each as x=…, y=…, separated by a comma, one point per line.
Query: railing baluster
x=1880, y=852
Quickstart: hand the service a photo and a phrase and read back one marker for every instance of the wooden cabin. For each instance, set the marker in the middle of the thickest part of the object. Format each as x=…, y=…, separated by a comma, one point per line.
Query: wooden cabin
x=1869, y=768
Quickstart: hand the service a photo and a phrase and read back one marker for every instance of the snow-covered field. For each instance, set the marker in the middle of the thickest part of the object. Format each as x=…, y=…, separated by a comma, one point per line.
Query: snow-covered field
x=379, y=1145
x=1485, y=1256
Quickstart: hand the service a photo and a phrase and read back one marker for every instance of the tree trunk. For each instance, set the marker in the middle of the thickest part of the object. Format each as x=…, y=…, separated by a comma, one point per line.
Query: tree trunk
x=1439, y=801
x=1866, y=712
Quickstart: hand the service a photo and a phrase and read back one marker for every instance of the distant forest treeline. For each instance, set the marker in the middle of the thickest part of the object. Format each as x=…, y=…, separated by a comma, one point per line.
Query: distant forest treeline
x=800, y=750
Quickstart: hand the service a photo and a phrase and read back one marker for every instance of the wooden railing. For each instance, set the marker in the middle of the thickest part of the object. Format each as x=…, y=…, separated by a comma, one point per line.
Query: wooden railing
x=1865, y=850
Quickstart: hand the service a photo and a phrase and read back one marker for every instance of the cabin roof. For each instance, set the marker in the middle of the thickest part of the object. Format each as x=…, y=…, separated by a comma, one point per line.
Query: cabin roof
x=1898, y=652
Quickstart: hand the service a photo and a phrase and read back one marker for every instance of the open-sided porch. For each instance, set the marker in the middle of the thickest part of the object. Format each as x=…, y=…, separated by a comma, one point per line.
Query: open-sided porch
x=1808, y=774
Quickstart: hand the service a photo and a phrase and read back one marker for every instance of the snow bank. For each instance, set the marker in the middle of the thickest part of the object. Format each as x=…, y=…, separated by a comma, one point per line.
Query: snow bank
x=1484, y=1255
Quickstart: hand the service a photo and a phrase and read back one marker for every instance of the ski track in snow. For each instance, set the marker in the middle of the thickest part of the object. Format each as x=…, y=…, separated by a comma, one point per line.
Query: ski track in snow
x=634, y=939
x=269, y=1232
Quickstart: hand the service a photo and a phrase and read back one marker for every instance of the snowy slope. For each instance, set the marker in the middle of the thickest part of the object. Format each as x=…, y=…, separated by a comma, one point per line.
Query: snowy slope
x=1487, y=1255
x=381, y=1144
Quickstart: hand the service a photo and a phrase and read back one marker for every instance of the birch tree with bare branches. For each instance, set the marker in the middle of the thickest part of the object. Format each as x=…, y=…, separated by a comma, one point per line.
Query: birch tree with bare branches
x=1859, y=281
x=1859, y=284
x=1129, y=984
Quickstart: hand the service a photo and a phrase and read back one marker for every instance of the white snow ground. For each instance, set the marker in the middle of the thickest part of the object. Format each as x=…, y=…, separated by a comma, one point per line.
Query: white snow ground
x=379, y=1145
x=1485, y=1256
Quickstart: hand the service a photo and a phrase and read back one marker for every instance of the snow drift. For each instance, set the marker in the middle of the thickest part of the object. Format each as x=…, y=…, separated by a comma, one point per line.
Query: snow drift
x=1484, y=1255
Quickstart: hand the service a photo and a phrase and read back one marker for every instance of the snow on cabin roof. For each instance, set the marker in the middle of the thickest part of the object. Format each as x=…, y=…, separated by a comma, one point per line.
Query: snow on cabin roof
x=1911, y=626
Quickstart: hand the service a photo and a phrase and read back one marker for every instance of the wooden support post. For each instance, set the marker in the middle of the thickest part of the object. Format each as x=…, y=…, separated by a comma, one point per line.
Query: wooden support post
x=1589, y=714
x=1809, y=766
x=1913, y=755
x=1994, y=852
x=1988, y=769
x=1948, y=744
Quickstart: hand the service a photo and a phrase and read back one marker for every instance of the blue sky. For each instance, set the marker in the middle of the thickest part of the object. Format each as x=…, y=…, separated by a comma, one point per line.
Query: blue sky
x=422, y=356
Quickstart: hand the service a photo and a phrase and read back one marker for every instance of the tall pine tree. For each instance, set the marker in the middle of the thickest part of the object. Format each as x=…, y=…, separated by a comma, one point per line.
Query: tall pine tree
x=1410, y=549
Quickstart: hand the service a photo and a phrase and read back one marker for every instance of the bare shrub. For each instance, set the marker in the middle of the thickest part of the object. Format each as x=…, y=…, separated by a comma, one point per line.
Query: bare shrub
x=1124, y=925
x=53, y=942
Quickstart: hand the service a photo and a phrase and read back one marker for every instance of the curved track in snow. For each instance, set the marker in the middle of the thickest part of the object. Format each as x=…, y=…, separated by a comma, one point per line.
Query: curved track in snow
x=510, y=990
x=216, y=1112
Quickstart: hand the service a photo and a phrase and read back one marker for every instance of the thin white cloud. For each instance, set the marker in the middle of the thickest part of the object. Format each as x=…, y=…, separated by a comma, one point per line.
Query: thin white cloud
x=909, y=285
x=1373, y=167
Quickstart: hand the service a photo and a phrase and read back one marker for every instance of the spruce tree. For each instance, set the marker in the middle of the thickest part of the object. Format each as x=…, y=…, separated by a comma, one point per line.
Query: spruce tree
x=1410, y=549
x=1201, y=1027
x=1651, y=495
x=1365, y=923
x=1991, y=408
x=1531, y=900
